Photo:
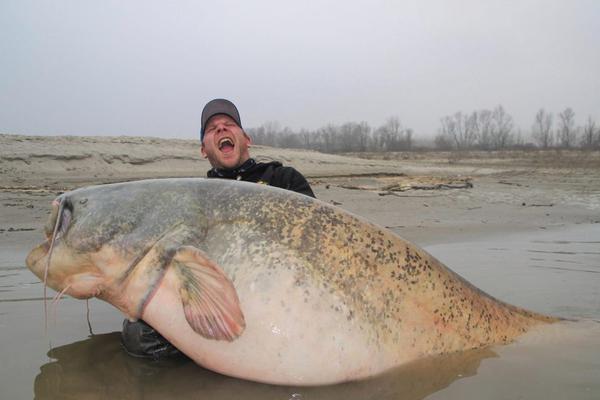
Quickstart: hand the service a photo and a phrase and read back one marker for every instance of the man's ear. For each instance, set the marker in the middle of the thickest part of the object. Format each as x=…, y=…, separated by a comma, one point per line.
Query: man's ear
x=248, y=138
x=202, y=151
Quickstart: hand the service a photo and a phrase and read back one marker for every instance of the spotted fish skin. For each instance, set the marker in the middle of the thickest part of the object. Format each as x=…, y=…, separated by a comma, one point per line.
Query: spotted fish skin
x=302, y=282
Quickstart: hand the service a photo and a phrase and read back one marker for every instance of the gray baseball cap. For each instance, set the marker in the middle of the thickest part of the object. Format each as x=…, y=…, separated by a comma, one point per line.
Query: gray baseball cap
x=219, y=106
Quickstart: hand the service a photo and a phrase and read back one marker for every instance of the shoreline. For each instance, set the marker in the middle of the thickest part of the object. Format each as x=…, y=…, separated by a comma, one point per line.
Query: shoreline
x=433, y=197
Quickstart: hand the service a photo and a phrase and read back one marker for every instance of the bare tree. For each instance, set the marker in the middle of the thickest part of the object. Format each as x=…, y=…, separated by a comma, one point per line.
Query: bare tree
x=391, y=136
x=447, y=133
x=502, y=124
x=408, y=138
x=591, y=135
x=266, y=134
x=393, y=125
x=348, y=137
x=257, y=135
x=363, y=132
x=460, y=129
x=567, y=133
x=469, y=130
x=542, y=129
x=306, y=137
x=391, y=132
x=443, y=142
x=518, y=140
x=486, y=127
x=287, y=138
x=327, y=137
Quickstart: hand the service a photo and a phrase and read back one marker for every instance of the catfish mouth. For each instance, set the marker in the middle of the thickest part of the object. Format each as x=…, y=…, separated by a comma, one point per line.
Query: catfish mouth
x=55, y=228
x=41, y=250
x=34, y=257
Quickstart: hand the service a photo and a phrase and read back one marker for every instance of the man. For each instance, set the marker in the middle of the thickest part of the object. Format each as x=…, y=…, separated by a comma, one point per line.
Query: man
x=226, y=146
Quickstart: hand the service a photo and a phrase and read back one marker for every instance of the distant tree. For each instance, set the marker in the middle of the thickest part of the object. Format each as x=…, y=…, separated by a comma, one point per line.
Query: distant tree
x=486, y=128
x=271, y=130
x=393, y=126
x=567, y=134
x=408, y=138
x=266, y=134
x=470, y=129
x=443, y=142
x=391, y=133
x=327, y=137
x=379, y=139
x=257, y=135
x=518, y=141
x=460, y=129
x=590, y=138
x=447, y=132
x=348, y=137
x=306, y=138
x=353, y=136
x=363, y=135
x=542, y=129
x=502, y=126
x=391, y=136
x=288, y=139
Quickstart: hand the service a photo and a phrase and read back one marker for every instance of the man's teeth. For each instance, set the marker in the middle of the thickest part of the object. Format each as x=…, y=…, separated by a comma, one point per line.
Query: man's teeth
x=225, y=141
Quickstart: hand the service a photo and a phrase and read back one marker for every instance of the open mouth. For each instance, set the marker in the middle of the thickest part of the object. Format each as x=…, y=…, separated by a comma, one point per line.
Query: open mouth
x=226, y=145
x=51, y=231
x=38, y=260
x=35, y=255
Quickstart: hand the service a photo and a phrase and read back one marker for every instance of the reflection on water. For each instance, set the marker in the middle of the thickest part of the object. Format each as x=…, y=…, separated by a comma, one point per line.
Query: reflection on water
x=553, y=272
x=558, y=361
x=97, y=368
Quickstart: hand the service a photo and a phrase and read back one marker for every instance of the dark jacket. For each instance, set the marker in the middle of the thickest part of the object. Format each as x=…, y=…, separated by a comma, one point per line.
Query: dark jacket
x=272, y=173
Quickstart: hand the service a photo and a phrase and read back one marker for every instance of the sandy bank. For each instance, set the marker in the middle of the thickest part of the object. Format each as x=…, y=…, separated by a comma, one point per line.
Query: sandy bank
x=425, y=197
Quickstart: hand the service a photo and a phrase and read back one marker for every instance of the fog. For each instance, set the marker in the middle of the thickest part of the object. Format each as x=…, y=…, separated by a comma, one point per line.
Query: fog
x=146, y=68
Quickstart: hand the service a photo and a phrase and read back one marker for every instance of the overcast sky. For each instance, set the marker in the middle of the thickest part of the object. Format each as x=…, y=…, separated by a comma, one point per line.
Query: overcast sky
x=147, y=68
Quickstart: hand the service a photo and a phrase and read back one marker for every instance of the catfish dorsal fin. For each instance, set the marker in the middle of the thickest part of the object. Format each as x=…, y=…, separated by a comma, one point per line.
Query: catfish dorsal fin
x=210, y=302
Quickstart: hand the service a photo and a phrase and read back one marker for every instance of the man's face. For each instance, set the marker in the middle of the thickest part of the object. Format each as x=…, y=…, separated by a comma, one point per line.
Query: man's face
x=225, y=144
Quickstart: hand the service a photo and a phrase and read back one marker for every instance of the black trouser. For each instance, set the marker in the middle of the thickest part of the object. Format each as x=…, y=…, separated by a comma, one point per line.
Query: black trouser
x=141, y=340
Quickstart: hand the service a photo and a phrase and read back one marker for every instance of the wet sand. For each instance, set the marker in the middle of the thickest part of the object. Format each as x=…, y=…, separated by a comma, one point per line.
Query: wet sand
x=526, y=232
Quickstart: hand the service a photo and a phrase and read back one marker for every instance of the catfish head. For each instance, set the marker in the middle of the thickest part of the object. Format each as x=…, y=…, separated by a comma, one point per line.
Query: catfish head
x=116, y=242
x=57, y=264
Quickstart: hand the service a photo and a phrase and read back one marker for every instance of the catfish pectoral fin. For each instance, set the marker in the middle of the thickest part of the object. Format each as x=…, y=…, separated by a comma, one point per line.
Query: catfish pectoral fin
x=210, y=302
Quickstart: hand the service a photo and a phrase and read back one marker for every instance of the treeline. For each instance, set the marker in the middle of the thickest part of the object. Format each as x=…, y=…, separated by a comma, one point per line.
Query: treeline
x=495, y=130
x=478, y=130
x=348, y=137
x=483, y=129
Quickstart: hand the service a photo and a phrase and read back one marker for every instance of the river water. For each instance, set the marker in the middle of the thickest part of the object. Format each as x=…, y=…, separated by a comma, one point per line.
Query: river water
x=555, y=272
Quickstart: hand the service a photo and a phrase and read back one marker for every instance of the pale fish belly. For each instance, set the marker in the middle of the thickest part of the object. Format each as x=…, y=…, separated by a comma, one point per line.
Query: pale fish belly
x=295, y=333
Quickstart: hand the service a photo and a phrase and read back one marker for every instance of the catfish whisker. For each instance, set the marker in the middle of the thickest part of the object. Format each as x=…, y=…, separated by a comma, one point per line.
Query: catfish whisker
x=61, y=207
x=55, y=302
x=87, y=314
x=59, y=295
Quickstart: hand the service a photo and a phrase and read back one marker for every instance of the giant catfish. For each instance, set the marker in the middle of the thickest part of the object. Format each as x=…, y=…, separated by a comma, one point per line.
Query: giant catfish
x=265, y=284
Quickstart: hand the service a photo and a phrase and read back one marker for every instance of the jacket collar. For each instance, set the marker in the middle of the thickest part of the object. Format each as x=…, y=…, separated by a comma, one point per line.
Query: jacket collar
x=232, y=173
